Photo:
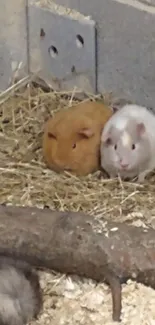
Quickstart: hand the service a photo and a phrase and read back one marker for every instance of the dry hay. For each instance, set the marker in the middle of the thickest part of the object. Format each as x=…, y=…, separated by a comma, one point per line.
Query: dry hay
x=25, y=180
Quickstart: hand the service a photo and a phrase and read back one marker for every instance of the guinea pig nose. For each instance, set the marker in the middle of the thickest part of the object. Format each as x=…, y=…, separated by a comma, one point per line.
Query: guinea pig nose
x=123, y=165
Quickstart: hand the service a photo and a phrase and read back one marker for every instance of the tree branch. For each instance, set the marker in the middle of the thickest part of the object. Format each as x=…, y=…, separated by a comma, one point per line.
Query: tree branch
x=76, y=243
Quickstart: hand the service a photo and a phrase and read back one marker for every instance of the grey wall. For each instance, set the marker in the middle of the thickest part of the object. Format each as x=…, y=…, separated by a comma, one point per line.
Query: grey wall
x=13, y=45
x=126, y=46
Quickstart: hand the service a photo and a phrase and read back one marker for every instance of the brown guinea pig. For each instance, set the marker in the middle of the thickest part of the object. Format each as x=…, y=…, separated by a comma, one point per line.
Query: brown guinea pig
x=71, y=139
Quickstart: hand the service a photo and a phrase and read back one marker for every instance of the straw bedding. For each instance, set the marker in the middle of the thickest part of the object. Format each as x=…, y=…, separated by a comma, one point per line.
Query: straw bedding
x=25, y=180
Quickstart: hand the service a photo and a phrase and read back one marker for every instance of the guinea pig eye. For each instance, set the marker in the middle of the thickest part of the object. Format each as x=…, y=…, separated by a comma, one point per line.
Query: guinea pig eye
x=133, y=146
x=74, y=146
x=51, y=135
x=115, y=146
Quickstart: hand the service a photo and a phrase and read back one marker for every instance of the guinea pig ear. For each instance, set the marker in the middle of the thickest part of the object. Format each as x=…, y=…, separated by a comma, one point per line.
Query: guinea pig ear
x=107, y=141
x=51, y=135
x=106, y=138
x=86, y=132
x=140, y=128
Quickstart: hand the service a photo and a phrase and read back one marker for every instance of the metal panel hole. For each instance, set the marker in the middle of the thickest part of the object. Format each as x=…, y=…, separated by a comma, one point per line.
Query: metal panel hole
x=42, y=32
x=79, y=41
x=73, y=70
x=53, y=51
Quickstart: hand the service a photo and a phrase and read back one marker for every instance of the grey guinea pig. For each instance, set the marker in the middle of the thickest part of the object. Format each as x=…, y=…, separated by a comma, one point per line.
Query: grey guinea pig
x=20, y=293
x=128, y=143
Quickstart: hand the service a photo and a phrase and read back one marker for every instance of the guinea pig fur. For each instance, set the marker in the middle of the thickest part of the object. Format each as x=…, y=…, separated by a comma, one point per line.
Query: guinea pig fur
x=20, y=294
x=128, y=143
x=71, y=139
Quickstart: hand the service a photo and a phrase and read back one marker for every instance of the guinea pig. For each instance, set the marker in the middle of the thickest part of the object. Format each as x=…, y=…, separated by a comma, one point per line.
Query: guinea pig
x=71, y=139
x=20, y=294
x=128, y=143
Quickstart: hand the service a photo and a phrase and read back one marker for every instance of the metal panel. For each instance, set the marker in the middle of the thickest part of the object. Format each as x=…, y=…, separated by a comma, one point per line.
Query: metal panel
x=62, y=49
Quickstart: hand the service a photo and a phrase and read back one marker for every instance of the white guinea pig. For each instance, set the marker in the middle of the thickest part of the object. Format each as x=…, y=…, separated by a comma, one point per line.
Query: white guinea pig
x=128, y=143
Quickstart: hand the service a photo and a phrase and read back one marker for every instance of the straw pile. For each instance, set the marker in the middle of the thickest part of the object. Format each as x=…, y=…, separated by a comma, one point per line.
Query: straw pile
x=25, y=180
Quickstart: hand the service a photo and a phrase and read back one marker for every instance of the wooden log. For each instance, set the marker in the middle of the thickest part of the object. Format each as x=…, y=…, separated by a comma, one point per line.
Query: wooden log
x=75, y=243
